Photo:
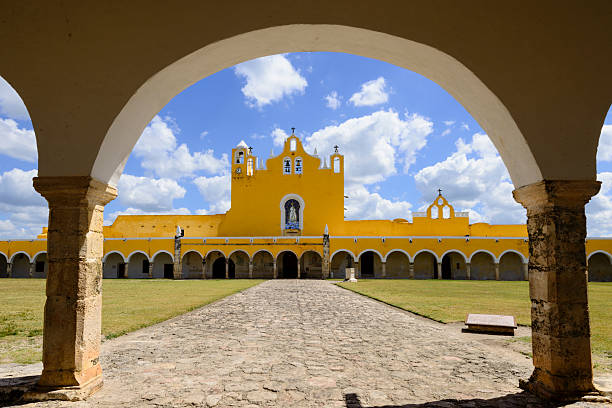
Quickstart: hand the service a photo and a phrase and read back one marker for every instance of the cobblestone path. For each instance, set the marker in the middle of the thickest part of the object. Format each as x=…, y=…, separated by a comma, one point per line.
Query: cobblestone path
x=289, y=343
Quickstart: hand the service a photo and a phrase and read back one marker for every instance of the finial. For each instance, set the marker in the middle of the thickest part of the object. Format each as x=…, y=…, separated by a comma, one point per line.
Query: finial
x=326, y=230
x=250, y=149
x=439, y=192
x=292, y=131
x=315, y=151
x=336, y=149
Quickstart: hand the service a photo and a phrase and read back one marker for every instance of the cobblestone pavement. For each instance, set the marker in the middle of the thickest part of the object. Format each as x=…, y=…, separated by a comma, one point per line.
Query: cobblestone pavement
x=289, y=343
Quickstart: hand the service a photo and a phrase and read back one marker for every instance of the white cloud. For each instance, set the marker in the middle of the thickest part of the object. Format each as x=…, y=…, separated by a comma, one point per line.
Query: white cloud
x=18, y=143
x=374, y=144
x=157, y=149
x=269, y=79
x=203, y=134
x=333, y=100
x=11, y=104
x=449, y=122
x=364, y=205
x=148, y=195
x=604, y=150
x=216, y=191
x=599, y=209
x=473, y=178
x=278, y=137
x=372, y=93
x=26, y=209
x=446, y=132
x=465, y=126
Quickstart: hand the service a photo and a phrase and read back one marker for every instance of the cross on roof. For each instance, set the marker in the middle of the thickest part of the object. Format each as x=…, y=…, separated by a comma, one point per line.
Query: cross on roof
x=439, y=191
x=336, y=149
x=292, y=130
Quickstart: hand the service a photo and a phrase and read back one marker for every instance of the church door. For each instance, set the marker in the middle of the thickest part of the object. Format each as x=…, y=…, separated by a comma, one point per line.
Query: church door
x=446, y=267
x=219, y=268
x=367, y=265
x=289, y=265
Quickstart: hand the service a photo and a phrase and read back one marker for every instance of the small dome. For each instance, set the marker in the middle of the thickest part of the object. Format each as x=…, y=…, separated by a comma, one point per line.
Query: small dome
x=242, y=144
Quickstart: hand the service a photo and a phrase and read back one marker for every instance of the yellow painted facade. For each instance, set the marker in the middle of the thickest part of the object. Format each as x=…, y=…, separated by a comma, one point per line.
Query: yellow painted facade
x=276, y=227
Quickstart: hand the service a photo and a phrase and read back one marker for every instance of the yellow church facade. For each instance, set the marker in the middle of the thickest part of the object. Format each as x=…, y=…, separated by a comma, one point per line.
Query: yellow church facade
x=287, y=221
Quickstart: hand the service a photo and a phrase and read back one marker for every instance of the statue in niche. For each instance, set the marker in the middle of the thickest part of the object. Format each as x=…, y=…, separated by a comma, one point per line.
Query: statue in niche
x=292, y=214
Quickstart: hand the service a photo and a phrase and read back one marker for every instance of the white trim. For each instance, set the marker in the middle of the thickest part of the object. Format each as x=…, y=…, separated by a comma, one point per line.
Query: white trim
x=599, y=251
x=38, y=253
x=264, y=250
x=138, y=252
x=525, y=260
x=421, y=237
x=486, y=252
x=429, y=251
x=286, y=250
x=162, y=251
x=20, y=252
x=189, y=251
x=113, y=252
x=215, y=250
x=342, y=250
x=282, y=210
x=465, y=259
x=396, y=250
x=372, y=250
x=239, y=250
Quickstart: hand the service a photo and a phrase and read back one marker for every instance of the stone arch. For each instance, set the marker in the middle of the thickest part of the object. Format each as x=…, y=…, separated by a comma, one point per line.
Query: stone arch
x=41, y=265
x=114, y=265
x=397, y=264
x=192, y=265
x=454, y=265
x=241, y=260
x=163, y=265
x=370, y=264
x=20, y=265
x=599, y=266
x=482, y=265
x=420, y=251
x=138, y=265
x=511, y=266
x=3, y=265
x=215, y=264
x=311, y=265
x=287, y=264
x=484, y=251
x=114, y=252
x=524, y=259
x=339, y=261
x=263, y=264
x=425, y=264
x=397, y=250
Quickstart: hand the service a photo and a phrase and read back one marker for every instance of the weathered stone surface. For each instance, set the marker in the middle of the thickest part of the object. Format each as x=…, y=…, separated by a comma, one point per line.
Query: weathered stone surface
x=286, y=343
x=556, y=225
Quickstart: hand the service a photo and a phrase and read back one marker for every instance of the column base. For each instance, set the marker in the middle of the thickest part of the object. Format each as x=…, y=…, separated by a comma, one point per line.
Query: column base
x=568, y=389
x=26, y=389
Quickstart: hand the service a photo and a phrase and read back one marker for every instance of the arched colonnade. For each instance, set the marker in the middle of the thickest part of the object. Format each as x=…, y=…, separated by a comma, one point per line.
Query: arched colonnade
x=23, y=265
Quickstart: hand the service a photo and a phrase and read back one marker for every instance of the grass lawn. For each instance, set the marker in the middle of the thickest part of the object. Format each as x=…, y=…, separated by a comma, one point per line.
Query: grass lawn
x=451, y=301
x=127, y=305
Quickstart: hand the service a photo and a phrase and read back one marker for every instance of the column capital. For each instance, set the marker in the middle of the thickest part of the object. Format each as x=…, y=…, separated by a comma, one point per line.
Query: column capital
x=548, y=194
x=73, y=191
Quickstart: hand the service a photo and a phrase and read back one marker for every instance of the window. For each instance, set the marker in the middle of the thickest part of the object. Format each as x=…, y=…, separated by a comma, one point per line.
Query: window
x=434, y=212
x=293, y=145
x=292, y=214
x=298, y=165
x=249, y=167
x=446, y=211
x=287, y=166
x=240, y=157
x=336, y=165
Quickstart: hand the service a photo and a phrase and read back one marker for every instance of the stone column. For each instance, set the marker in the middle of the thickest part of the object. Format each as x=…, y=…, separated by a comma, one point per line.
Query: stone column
x=556, y=225
x=203, y=270
x=468, y=270
x=177, y=271
x=31, y=271
x=150, y=270
x=9, y=269
x=126, y=270
x=384, y=269
x=411, y=270
x=298, y=269
x=250, y=269
x=526, y=271
x=497, y=271
x=72, y=321
x=439, y=270
x=226, y=268
x=275, y=270
x=357, y=270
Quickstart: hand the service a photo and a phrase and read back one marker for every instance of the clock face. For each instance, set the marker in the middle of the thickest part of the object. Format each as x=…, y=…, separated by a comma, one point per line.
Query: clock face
x=238, y=170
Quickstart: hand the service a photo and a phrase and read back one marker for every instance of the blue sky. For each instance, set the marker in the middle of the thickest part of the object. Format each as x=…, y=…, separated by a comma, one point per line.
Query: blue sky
x=403, y=137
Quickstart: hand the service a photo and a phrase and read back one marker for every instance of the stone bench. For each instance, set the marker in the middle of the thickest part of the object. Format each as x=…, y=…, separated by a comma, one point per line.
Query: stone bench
x=484, y=323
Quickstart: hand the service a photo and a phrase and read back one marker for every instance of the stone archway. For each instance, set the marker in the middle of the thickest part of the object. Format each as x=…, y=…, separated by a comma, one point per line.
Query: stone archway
x=370, y=265
x=263, y=265
x=311, y=265
x=163, y=266
x=20, y=266
x=425, y=266
x=482, y=266
x=240, y=261
x=340, y=260
x=397, y=265
x=41, y=265
x=511, y=267
x=114, y=266
x=599, y=268
x=454, y=266
x=3, y=266
x=287, y=265
x=192, y=265
x=138, y=266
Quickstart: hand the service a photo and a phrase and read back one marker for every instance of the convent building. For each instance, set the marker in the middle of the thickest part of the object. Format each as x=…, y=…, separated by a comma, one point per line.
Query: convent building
x=287, y=221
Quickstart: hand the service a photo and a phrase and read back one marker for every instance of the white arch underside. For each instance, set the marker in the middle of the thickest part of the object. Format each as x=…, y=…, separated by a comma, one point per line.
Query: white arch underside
x=441, y=68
